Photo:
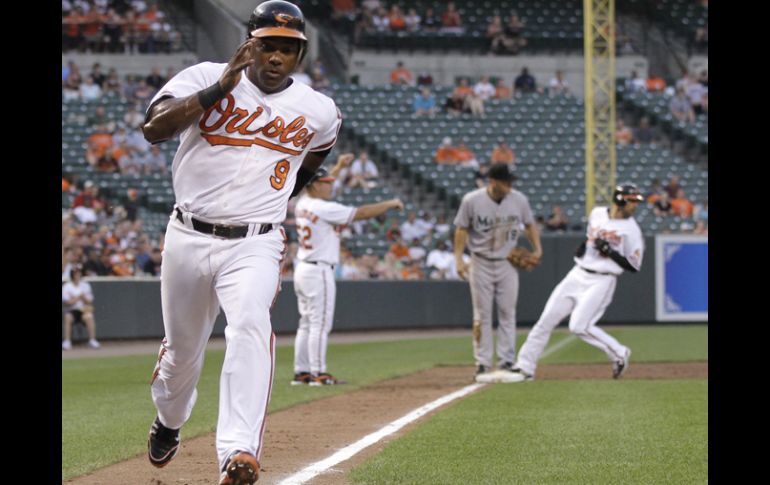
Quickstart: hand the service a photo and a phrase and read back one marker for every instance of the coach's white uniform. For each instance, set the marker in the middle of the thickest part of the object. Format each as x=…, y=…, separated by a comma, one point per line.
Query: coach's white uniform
x=236, y=165
x=318, y=254
x=587, y=290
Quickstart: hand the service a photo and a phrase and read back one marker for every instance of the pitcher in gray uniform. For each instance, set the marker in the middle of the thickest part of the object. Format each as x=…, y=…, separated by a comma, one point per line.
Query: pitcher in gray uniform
x=489, y=221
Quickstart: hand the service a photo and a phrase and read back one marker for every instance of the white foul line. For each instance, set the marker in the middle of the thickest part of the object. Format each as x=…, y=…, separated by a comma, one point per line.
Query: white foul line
x=319, y=467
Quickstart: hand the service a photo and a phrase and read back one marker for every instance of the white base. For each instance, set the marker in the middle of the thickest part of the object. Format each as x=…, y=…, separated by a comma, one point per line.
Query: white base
x=500, y=376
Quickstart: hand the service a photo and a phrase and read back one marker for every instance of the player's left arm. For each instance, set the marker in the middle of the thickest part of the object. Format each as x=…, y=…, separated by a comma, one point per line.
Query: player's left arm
x=631, y=263
x=533, y=235
x=310, y=164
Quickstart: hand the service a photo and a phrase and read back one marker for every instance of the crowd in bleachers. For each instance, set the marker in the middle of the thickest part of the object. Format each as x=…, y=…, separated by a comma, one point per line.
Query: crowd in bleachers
x=117, y=26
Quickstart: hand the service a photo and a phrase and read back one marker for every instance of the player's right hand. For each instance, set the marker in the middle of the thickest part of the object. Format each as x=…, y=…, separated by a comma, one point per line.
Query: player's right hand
x=397, y=204
x=242, y=59
x=462, y=269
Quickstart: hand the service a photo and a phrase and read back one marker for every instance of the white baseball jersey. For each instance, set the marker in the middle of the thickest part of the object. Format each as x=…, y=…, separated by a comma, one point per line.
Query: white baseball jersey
x=623, y=235
x=273, y=133
x=316, y=221
x=70, y=291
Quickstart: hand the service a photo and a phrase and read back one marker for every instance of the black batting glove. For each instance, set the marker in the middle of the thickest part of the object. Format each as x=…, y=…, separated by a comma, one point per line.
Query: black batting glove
x=603, y=246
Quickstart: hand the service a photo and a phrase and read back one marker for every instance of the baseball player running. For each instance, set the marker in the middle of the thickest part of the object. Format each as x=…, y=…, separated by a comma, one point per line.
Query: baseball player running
x=250, y=138
x=318, y=254
x=489, y=221
x=614, y=244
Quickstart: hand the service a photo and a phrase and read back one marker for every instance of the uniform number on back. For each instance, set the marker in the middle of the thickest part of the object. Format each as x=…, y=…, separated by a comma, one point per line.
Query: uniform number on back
x=278, y=180
x=305, y=233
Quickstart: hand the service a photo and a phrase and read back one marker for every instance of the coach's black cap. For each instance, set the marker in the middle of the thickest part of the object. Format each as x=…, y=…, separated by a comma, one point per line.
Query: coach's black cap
x=501, y=171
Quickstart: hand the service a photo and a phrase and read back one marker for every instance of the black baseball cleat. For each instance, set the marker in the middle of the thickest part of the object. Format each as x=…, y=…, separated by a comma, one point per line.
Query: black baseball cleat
x=481, y=369
x=619, y=367
x=301, y=378
x=162, y=444
x=242, y=468
x=506, y=366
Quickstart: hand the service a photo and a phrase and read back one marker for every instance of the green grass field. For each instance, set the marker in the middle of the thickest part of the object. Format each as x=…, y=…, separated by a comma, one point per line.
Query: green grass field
x=579, y=431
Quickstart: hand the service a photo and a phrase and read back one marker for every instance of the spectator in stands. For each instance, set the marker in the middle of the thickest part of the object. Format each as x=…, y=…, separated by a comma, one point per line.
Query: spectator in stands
x=381, y=20
x=412, y=229
x=441, y=227
x=401, y=75
x=465, y=156
x=155, y=80
x=97, y=75
x=623, y=135
x=502, y=91
x=412, y=271
x=684, y=81
x=98, y=143
x=471, y=103
x=662, y=206
x=364, y=25
x=152, y=266
x=363, y=172
x=635, y=83
x=112, y=85
x=514, y=31
x=134, y=119
x=89, y=90
x=412, y=20
x=696, y=92
x=680, y=107
x=673, y=186
x=557, y=220
x=78, y=299
x=704, y=78
x=99, y=117
x=107, y=163
x=318, y=76
x=644, y=133
x=446, y=153
x=430, y=21
x=496, y=36
x=653, y=194
x=399, y=249
x=655, y=83
x=451, y=23
x=424, y=79
x=424, y=103
x=416, y=251
x=502, y=153
x=396, y=19
x=454, y=104
x=681, y=205
x=72, y=37
x=439, y=261
x=66, y=70
x=112, y=32
x=524, y=83
x=558, y=86
x=94, y=265
x=143, y=92
x=480, y=176
x=483, y=89
x=154, y=161
x=131, y=204
x=129, y=88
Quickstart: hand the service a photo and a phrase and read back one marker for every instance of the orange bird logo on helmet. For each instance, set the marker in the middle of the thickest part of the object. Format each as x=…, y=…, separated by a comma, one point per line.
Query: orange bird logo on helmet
x=283, y=18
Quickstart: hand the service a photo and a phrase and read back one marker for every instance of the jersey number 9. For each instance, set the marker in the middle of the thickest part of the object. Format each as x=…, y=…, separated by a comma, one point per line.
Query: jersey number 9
x=278, y=180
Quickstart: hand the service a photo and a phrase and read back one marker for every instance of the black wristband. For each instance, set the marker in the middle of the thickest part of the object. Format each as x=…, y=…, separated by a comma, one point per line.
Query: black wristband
x=303, y=176
x=209, y=96
x=622, y=261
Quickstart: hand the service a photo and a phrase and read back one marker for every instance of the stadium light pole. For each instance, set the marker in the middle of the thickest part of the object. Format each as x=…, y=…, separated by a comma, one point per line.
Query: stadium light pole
x=599, y=61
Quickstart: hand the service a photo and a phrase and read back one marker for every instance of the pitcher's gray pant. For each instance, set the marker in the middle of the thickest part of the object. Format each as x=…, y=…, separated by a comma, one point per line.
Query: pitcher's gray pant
x=493, y=281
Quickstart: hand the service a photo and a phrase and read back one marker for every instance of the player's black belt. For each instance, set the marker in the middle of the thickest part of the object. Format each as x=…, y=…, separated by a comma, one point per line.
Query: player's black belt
x=318, y=263
x=488, y=259
x=596, y=272
x=221, y=230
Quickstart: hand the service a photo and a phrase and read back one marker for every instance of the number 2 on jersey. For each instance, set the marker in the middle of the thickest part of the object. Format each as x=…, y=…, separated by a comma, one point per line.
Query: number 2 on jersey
x=278, y=180
x=304, y=236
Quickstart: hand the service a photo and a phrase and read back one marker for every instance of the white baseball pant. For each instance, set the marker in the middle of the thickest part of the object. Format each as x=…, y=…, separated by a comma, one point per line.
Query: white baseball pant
x=316, y=292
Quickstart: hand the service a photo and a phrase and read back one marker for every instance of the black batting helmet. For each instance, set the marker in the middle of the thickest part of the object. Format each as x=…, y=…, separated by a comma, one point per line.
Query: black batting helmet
x=626, y=192
x=277, y=18
x=321, y=174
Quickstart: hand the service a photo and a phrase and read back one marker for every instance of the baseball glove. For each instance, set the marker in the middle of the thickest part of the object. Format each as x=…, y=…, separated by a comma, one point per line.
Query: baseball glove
x=523, y=258
x=603, y=246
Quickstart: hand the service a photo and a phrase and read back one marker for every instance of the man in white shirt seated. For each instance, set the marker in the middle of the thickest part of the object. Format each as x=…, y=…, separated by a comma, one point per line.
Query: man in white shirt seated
x=363, y=172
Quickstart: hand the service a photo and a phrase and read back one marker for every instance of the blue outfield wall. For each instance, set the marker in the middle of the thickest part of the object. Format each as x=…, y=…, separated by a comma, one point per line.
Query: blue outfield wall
x=130, y=308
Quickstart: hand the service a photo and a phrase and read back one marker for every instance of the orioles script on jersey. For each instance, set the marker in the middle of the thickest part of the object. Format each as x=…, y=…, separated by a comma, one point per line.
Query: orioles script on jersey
x=239, y=120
